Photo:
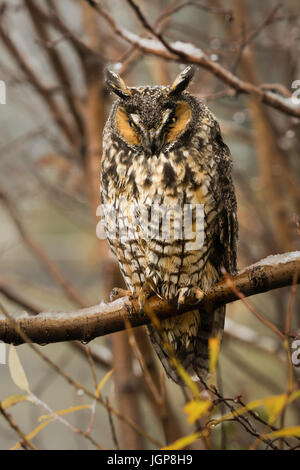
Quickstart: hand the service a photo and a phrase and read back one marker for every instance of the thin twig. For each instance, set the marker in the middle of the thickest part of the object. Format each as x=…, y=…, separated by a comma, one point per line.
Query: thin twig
x=37, y=250
x=250, y=307
x=26, y=339
x=24, y=441
x=112, y=427
x=190, y=54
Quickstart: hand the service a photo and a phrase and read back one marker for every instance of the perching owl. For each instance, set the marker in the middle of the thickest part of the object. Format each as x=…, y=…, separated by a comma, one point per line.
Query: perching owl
x=169, y=209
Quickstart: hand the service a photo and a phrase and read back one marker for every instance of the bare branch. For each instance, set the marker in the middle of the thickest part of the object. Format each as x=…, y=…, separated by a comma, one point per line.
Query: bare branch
x=175, y=9
x=105, y=318
x=25, y=442
x=25, y=65
x=41, y=255
x=58, y=64
x=250, y=338
x=56, y=21
x=188, y=53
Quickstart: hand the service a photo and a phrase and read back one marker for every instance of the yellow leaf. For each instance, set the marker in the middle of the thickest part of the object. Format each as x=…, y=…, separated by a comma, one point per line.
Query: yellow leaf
x=183, y=442
x=294, y=395
x=41, y=426
x=274, y=406
x=196, y=408
x=239, y=411
x=187, y=379
x=16, y=370
x=12, y=400
x=285, y=432
x=64, y=412
x=214, y=349
x=33, y=433
x=102, y=383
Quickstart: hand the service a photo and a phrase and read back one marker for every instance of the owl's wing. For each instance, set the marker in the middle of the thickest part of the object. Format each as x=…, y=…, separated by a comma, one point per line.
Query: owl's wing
x=228, y=239
x=227, y=225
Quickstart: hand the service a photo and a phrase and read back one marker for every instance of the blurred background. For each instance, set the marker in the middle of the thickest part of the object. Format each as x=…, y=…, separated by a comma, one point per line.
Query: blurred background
x=52, y=57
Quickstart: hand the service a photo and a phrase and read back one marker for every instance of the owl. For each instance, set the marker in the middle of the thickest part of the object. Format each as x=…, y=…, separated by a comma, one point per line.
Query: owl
x=169, y=210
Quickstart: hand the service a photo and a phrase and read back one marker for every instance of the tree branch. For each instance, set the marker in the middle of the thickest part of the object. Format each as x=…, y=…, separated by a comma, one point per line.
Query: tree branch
x=105, y=318
x=32, y=74
x=190, y=54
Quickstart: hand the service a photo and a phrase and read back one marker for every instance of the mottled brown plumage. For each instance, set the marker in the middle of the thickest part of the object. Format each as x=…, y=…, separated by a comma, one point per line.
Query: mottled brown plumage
x=163, y=149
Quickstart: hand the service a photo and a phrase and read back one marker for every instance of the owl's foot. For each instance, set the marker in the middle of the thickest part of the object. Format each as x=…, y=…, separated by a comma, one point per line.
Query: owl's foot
x=144, y=294
x=190, y=296
x=117, y=293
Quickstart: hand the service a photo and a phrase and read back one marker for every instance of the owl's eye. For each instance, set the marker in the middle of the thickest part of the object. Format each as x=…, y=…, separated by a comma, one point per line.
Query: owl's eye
x=126, y=127
x=172, y=119
x=178, y=120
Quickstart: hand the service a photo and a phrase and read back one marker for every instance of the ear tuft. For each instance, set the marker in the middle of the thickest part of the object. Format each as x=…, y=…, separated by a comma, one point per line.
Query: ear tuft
x=182, y=80
x=116, y=84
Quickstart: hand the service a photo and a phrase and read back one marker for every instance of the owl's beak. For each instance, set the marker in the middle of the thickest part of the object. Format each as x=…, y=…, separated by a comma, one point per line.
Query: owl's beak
x=153, y=147
x=152, y=141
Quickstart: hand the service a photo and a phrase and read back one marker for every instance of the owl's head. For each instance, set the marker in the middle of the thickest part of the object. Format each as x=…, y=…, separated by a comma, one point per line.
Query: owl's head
x=152, y=118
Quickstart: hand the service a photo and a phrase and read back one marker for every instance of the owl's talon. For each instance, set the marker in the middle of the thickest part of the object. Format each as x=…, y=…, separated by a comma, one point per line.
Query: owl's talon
x=189, y=296
x=182, y=296
x=117, y=293
x=144, y=294
x=141, y=311
x=199, y=294
x=141, y=306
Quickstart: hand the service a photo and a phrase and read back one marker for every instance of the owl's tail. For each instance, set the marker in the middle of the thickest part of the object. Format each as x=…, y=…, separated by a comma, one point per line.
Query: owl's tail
x=188, y=336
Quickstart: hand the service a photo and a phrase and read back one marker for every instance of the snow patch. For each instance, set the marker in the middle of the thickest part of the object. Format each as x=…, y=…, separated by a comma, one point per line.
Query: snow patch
x=187, y=48
x=148, y=43
x=275, y=259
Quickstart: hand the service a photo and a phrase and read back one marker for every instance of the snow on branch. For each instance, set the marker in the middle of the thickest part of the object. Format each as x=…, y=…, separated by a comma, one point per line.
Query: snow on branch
x=188, y=53
x=105, y=318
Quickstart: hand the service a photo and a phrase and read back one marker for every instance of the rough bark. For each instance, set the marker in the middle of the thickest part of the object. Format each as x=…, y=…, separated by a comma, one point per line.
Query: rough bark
x=105, y=318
